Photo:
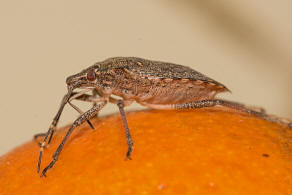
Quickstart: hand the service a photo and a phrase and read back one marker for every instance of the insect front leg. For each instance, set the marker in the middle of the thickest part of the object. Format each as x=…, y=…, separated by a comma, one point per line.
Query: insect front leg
x=82, y=118
x=73, y=96
x=36, y=136
x=51, y=130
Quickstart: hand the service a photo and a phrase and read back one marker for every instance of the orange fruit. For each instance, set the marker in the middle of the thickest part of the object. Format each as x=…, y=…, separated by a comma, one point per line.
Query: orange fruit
x=175, y=152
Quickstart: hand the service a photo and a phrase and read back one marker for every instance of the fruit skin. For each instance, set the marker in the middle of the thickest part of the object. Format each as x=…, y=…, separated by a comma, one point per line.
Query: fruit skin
x=175, y=152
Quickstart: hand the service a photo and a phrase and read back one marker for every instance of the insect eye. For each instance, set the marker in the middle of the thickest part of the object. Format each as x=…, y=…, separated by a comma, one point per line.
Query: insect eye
x=91, y=76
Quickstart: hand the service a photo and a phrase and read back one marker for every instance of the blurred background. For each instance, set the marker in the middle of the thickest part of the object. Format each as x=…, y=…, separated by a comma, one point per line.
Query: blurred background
x=245, y=45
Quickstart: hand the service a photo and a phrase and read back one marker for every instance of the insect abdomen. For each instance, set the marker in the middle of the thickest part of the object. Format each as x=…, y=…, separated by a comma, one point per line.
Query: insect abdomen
x=153, y=90
x=168, y=91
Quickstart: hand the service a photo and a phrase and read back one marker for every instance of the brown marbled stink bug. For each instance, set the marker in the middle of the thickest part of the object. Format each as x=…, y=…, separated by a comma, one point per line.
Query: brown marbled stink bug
x=153, y=84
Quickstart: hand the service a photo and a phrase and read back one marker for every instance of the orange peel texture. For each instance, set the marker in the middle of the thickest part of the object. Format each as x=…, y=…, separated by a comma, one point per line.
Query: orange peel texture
x=175, y=152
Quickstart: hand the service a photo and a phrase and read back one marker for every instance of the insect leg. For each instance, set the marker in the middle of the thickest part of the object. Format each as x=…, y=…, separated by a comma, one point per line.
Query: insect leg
x=82, y=96
x=80, y=112
x=36, y=136
x=74, y=95
x=95, y=93
x=82, y=118
x=234, y=105
x=52, y=128
x=120, y=104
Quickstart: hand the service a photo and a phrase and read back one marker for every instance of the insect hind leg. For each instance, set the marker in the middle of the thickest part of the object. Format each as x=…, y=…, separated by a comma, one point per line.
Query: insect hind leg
x=233, y=105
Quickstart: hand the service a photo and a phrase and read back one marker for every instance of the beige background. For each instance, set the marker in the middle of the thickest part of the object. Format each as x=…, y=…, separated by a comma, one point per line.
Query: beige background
x=244, y=44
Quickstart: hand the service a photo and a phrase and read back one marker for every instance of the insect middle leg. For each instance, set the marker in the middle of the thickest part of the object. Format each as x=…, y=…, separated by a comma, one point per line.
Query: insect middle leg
x=82, y=118
x=121, y=104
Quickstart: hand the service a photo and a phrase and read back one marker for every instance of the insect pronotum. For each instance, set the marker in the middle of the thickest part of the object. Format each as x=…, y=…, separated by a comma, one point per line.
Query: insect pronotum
x=153, y=84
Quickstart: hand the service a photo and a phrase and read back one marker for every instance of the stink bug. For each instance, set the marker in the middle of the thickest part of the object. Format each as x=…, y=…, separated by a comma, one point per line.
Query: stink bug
x=154, y=84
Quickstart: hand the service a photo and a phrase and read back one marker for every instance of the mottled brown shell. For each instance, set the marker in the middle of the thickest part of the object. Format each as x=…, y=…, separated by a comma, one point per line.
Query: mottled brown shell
x=158, y=69
x=154, y=82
